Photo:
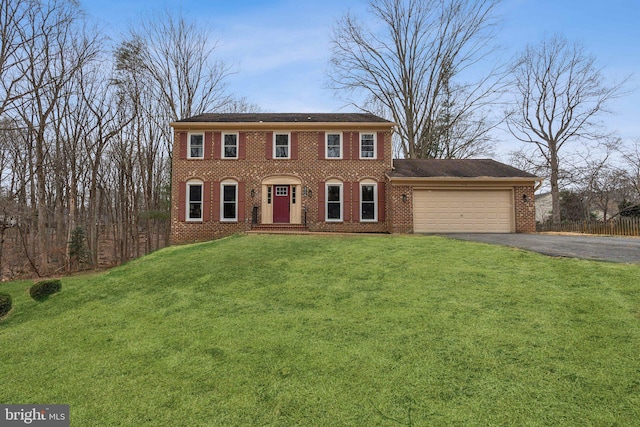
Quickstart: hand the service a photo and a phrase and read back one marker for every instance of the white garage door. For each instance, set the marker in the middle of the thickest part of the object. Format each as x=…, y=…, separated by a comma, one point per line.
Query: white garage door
x=452, y=211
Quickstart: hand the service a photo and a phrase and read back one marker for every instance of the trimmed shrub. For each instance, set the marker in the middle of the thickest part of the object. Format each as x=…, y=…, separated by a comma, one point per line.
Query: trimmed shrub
x=5, y=304
x=44, y=288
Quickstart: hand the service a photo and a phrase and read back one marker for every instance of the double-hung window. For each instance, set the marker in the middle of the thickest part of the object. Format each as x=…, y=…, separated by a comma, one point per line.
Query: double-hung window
x=229, y=145
x=368, y=202
x=196, y=146
x=281, y=146
x=334, y=146
x=229, y=205
x=194, y=201
x=367, y=146
x=334, y=202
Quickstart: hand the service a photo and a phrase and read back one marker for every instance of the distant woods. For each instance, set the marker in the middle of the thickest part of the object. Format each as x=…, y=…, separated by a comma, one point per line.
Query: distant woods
x=85, y=142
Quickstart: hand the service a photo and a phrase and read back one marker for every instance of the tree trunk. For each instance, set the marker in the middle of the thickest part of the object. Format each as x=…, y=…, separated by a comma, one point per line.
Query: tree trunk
x=41, y=205
x=555, y=189
x=59, y=218
x=73, y=196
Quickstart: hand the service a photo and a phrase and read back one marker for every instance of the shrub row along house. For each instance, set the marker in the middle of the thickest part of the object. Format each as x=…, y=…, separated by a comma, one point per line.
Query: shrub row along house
x=331, y=172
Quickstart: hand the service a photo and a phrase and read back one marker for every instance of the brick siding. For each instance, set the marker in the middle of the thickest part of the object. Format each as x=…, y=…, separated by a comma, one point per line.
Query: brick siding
x=311, y=170
x=402, y=208
x=307, y=166
x=525, y=210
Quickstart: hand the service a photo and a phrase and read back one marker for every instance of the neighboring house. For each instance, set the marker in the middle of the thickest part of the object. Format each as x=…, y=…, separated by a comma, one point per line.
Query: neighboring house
x=544, y=207
x=330, y=172
x=612, y=210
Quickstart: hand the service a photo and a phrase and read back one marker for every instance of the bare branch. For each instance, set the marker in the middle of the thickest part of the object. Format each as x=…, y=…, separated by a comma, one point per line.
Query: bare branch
x=411, y=65
x=560, y=95
x=178, y=57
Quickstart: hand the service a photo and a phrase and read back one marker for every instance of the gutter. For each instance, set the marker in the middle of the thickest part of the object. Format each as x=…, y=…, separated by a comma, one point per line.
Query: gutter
x=248, y=126
x=461, y=180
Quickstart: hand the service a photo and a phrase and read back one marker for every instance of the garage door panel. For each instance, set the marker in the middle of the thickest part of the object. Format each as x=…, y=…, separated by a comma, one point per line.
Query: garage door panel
x=438, y=211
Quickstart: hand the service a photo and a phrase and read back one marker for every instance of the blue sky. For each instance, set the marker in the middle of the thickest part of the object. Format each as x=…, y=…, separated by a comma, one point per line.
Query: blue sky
x=281, y=47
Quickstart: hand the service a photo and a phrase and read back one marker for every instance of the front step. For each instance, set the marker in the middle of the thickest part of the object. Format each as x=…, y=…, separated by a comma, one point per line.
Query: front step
x=279, y=229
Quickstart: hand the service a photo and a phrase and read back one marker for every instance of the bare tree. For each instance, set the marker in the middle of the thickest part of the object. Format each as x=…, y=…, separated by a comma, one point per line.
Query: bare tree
x=178, y=57
x=138, y=149
x=63, y=46
x=240, y=105
x=15, y=33
x=411, y=60
x=596, y=178
x=631, y=161
x=608, y=191
x=9, y=180
x=166, y=70
x=560, y=94
x=84, y=145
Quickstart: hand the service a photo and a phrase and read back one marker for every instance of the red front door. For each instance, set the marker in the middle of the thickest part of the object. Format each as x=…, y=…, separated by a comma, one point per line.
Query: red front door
x=281, y=204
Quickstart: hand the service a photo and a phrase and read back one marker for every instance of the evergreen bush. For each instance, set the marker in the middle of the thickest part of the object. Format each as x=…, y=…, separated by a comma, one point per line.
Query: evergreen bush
x=78, y=247
x=5, y=304
x=44, y=288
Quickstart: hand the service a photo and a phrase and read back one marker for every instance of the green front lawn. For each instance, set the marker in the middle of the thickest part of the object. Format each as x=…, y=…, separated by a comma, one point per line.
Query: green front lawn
x=332, y=331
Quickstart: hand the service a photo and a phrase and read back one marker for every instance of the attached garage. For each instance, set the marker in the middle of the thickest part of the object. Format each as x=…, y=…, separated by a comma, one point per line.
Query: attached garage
x=461, y=196
x=472, y=211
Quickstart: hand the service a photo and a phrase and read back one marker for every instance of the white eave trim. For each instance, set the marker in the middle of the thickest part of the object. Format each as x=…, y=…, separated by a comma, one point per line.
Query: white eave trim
x=441, y=179
x=248, y=126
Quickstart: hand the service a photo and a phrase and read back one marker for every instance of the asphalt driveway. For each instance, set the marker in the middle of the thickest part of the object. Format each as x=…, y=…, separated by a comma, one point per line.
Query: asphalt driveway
x=601, y=248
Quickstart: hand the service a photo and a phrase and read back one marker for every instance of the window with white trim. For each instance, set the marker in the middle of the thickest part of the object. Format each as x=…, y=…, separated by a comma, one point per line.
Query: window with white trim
x=368, y=201
x=281, y=145
x=333, y=146
x=333, y=201
x=195, y=149
x=194, y=200
x=367, y=145
x=229, y=145
x=229, y=201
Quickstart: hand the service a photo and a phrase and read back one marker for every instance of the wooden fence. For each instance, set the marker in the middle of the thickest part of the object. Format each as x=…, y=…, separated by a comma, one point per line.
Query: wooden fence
x=620, y=226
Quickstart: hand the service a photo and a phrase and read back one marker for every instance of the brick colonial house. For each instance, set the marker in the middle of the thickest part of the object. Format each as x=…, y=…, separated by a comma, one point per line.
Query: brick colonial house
x=330, y=172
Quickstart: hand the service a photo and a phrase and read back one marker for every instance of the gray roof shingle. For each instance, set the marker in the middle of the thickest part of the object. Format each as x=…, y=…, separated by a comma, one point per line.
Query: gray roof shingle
x=286, y=118
x=455, y=168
